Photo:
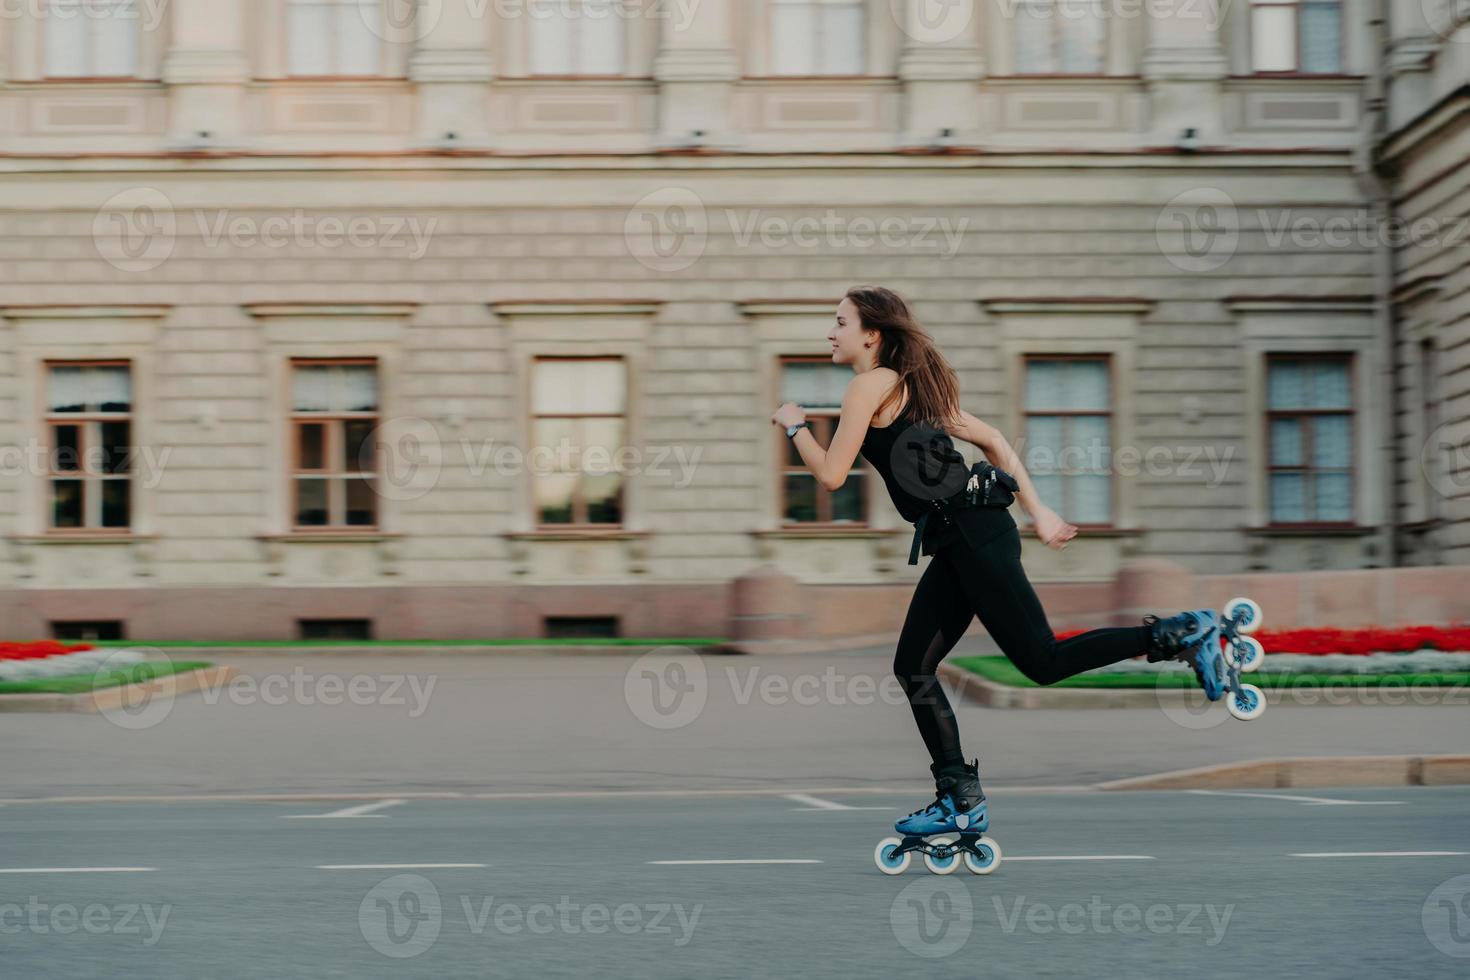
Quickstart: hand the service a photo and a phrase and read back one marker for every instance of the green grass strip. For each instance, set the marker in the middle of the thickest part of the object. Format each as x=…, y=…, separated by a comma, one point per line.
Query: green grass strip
x=1001, y=671
x=593, y=641
x=82, y=683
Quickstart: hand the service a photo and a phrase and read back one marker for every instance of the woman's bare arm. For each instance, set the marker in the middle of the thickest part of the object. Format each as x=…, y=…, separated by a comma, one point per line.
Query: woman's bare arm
x=831, y=465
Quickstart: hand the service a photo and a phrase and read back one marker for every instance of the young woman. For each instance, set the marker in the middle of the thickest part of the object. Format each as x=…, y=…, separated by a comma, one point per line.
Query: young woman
x=900, y=411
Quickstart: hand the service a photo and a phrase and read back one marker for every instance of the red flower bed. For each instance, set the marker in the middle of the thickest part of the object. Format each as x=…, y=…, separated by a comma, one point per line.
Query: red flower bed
x=39, y=649
x=1373, y=639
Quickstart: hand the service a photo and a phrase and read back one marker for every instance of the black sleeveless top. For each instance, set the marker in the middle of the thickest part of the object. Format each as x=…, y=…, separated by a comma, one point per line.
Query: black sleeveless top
x=919, y=464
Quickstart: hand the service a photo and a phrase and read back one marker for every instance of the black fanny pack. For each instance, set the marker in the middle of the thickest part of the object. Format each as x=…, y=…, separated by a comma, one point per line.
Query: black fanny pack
x=988, y=486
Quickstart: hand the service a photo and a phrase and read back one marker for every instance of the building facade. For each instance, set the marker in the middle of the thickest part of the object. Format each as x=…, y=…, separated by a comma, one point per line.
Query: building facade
x=467, y=317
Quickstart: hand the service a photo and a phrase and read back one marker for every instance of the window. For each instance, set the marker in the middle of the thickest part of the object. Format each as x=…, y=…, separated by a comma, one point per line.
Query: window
x=87, y=629
x=817, y=386
x=1296, y=36
x=579, y=627
x=1068, y=433
x=576, y=37
x=91, y=38
x=334, y=629
x=334, y=412
x=1309, y=420
x=577, y=429
x=1059, y=37
x=89, y=442
x=817, y=37
x=334, y=37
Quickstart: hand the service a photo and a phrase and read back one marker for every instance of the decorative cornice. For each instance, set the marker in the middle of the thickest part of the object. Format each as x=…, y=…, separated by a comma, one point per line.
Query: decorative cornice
x=264, y=310
x=84, y=312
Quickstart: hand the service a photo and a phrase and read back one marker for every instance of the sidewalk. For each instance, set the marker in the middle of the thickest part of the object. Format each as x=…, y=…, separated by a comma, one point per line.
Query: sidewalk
x=537, y=722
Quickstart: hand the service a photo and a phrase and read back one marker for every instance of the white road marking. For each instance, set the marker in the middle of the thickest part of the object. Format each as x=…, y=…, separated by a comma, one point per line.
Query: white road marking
x=1303, y=800
x=390, y=867
x=64, y=871
x=1379, y=854
x=745, y=861
x=365, y=810
x=815, y=803
x=1079, y=857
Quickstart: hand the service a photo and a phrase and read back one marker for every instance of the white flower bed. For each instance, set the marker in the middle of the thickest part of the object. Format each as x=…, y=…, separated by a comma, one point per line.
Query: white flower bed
x=67, y=664
x=1418, y=662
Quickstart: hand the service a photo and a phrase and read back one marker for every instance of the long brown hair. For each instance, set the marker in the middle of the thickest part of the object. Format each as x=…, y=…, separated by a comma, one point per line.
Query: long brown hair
x=904, y=346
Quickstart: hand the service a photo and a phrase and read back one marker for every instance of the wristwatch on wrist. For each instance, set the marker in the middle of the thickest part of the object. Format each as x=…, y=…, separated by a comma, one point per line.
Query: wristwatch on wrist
x=791, y=429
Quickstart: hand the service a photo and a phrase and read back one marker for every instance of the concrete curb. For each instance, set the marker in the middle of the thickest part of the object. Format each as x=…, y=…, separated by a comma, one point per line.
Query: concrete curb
x=978, y=690
x=1311, y=771
x=112, y=698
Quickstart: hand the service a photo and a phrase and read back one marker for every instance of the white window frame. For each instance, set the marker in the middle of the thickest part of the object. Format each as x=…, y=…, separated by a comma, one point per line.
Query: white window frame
x=94, y=30
x=1297, y=7
x=578, y=27
x=1057, y=16
x=822, y=25
x=332, y=67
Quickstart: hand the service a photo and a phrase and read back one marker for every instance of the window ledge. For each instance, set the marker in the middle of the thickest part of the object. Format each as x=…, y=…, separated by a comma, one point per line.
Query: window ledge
x=314, y=536
x=84, y=537
x=863, y=533
x=577, y=534
x=1083, y=531
x=1325, y=531
x=1419, y=526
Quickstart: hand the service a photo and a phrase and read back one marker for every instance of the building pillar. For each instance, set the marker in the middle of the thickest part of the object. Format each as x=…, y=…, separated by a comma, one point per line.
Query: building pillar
x=696, y=69
x=452, y=69
x=1184, y=67
x=206, y=70
x=939, y=64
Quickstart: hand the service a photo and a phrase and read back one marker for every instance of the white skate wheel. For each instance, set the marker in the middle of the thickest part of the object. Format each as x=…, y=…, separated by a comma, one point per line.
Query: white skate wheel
x=1248, y=656
x=988, y=862
x=1247, y=610
x=942, y=866
x=887, y=863
x=1248, y=705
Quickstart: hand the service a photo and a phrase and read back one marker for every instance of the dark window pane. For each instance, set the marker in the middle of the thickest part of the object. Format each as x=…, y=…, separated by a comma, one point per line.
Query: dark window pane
x=553, y=495
x=115, y=497
x=66, y=503
x=311, y=502
x=86, y=629
x=68, y=456
x=801, y=497
x=581, y=626
x=362, y=503
x=116, y=452
x=604, y=495
x=335, y=629
x=358, y=448
x=313, y=442
x=847, y=500
x=793, y=457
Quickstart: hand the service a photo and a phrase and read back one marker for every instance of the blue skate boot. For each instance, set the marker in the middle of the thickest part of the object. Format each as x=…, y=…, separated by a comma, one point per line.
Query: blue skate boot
x=1193, y=637
x=958, y=810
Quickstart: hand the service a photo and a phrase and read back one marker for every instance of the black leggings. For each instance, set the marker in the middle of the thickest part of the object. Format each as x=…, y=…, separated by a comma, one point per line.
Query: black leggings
x=988, y=581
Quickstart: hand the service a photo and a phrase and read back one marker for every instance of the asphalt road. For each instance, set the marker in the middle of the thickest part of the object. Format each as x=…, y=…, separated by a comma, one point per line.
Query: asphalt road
x=1092, y=885
x=532, y=722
